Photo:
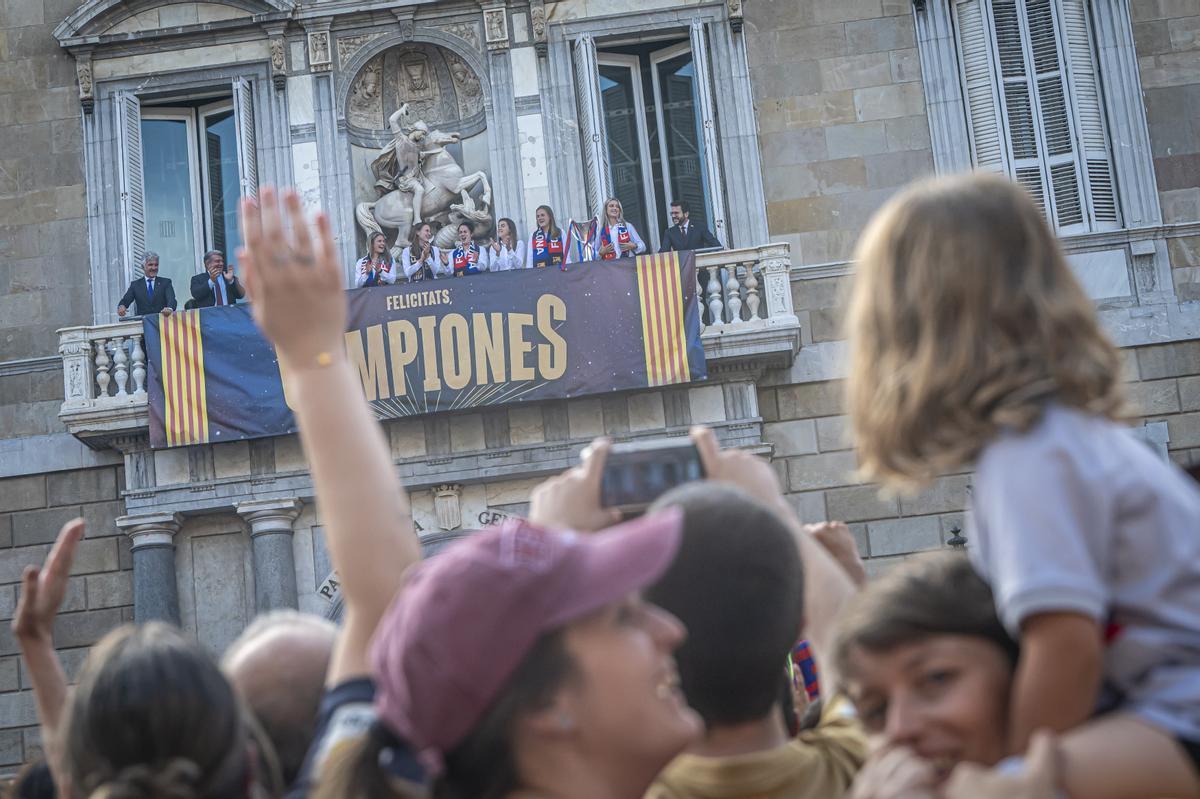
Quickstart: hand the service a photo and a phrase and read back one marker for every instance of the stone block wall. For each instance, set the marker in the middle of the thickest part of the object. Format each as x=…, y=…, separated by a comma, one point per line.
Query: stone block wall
x=1167, y=39
x=841, y=116
x=44, y=282
x=99, y=595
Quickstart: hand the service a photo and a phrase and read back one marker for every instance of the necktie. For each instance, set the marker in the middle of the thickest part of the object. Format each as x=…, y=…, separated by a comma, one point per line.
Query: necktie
x=150, y=289
x=217, y=290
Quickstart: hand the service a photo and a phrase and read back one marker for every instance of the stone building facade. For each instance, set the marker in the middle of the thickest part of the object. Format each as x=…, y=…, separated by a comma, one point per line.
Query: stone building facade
x=784, y=123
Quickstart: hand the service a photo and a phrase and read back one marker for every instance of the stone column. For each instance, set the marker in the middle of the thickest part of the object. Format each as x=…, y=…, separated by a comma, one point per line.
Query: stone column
x=155, y=590
x=271, y=532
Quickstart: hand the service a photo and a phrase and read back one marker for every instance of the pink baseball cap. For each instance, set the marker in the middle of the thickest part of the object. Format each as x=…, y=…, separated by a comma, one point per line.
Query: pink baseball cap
x=465, y=619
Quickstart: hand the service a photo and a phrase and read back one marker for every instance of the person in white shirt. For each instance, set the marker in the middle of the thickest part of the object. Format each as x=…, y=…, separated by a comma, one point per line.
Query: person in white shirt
x=506, y=252
x=377, y=267
x=421, y=260
x=547, y=245
x=618, y=238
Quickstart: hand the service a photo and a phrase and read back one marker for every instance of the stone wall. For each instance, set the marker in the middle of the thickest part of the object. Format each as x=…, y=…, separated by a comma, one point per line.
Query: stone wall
x=44, y=280
x=1167, y=38
x=99, y=594
x=841, y=116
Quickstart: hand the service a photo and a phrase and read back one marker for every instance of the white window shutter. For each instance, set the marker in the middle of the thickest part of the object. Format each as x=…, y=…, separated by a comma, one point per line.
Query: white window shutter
x=243, y=113
x=133, y=188
x=591, y=124
x=1088, y=107
x=708, y=128
x=1020, y=108
x=979, y=86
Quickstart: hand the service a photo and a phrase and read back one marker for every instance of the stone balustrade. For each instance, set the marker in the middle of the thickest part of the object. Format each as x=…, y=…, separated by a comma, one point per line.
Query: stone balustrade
x=747, y=317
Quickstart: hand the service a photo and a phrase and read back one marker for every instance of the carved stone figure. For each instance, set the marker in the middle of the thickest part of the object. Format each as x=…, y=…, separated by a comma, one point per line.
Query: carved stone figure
x=495, y=24
x=318, y=49
x=416, y=75
x=417, y=179
x=347, y=46
x=366, y=99
x=466, y=87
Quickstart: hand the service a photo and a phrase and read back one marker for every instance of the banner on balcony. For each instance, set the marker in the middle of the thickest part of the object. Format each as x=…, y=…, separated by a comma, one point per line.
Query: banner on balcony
x=443, y=345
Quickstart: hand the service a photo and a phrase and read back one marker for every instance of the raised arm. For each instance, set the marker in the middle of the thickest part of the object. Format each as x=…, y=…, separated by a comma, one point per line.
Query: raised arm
x=299, y=304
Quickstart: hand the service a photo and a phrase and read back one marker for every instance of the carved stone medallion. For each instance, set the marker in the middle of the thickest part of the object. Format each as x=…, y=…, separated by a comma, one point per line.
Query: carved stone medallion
x=439, y=86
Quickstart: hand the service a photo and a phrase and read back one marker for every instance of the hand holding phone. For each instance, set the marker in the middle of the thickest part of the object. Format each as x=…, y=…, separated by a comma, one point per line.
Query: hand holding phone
x=637, y=473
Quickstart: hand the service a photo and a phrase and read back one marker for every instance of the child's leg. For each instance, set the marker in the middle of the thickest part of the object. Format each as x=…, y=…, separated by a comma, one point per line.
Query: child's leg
x=1123, y=757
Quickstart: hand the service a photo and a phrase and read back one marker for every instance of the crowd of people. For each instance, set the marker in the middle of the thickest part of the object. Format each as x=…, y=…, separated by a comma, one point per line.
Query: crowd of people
x=576, y=654
x=548, y=245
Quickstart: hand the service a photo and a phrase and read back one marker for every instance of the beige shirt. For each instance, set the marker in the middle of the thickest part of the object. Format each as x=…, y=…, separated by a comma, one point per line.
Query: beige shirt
x=818, y=764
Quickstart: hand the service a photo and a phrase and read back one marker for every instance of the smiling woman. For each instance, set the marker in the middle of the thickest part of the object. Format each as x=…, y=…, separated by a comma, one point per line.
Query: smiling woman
x=928, y=665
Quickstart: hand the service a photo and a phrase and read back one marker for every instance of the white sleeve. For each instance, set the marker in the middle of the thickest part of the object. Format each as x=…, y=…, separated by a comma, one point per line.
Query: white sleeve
x=519, y=255
x=360, y=279
x=633, y=234
x=529, y=255
x=388, y=276
x=484, y=264
x=407, y=264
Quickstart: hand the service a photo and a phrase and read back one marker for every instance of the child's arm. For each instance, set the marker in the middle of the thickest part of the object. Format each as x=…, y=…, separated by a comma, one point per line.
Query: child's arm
x=1058, y=675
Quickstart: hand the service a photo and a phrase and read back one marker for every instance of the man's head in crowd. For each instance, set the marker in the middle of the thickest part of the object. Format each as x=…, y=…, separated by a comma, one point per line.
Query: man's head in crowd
x=738, y=587
x=214, y=262
x=150, y=264
x=680, y=211
x=278, y=666
x=152, y=715
x=923, y=656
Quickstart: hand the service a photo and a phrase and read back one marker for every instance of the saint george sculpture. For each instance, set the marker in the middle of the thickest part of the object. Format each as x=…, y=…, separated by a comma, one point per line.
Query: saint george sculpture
x=418, y=180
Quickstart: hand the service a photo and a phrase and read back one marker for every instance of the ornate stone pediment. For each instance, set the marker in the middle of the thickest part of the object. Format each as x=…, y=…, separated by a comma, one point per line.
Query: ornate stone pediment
x=147, y=19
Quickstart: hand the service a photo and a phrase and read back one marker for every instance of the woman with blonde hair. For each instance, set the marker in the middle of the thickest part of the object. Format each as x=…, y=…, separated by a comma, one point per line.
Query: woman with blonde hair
x=618, y=238
x=972, y=345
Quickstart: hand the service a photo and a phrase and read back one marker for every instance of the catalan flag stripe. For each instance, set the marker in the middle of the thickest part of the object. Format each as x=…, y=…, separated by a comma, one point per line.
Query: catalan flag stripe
x=661, y=296
x=186, y=403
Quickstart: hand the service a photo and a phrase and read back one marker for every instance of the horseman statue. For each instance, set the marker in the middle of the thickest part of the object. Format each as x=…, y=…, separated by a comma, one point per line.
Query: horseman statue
x=418, y=180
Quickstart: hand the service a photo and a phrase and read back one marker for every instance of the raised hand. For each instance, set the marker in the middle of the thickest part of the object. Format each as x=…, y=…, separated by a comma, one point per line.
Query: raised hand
x=1038, y=779
x=571, y=500
x=43, y=589
x=42, y=592
x=745, y=470
x=294, y=281
x=895, y=774
x=839, y=542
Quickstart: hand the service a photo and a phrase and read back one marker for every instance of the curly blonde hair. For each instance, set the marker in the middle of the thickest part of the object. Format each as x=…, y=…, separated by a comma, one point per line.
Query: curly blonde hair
x=964, y=319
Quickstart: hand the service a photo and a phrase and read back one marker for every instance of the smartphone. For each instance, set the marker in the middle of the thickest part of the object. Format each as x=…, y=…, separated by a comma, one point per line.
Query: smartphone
x=637, y=473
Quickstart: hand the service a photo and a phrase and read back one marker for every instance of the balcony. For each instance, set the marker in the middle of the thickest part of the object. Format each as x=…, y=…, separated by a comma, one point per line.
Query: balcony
x=748, y=325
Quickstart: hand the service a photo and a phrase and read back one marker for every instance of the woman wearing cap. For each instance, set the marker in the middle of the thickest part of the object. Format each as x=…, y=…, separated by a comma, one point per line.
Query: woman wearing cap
x=518, y=661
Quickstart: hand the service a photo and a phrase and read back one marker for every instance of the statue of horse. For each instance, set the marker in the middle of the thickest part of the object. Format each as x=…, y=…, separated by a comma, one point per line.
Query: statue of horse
x=442, y=181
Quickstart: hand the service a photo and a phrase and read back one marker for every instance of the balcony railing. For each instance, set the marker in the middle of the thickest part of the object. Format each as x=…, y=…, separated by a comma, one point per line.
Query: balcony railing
x=747, y=317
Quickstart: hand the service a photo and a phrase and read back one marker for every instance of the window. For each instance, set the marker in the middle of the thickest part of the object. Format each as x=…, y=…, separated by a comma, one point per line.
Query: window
x=185, y=165
x=647, y=122
x=1034, y=106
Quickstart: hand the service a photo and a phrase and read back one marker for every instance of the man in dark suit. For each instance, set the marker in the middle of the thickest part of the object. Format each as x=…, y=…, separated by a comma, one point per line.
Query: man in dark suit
x=152, y=294
x=683, y=234
x=216, y=285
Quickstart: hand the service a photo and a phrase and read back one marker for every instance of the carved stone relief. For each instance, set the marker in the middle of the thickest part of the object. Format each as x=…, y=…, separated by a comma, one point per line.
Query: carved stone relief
x=366, y=96
x=278, y=62
x=438, y=86
x=537, y=19
x=347, y=46
x=83, y=74
x=318, y=50
x=495, y=26
x=464, y=30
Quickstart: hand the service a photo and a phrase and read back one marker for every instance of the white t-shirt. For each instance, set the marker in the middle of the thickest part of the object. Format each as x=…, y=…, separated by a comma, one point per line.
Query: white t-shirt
x=1079, y=515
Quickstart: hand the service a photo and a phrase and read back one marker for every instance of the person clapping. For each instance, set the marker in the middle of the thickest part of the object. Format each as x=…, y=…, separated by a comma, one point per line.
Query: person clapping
x=376, y=268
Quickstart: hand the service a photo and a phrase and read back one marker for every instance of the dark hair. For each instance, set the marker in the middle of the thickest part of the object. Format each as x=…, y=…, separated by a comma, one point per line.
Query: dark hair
x=512, y=229
x=682, y=205
x=554, y=231
x=34, y=782
x=938, y=593
x=152, y=716
x=423, y=223
x=737, y=586
x=483, y=765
